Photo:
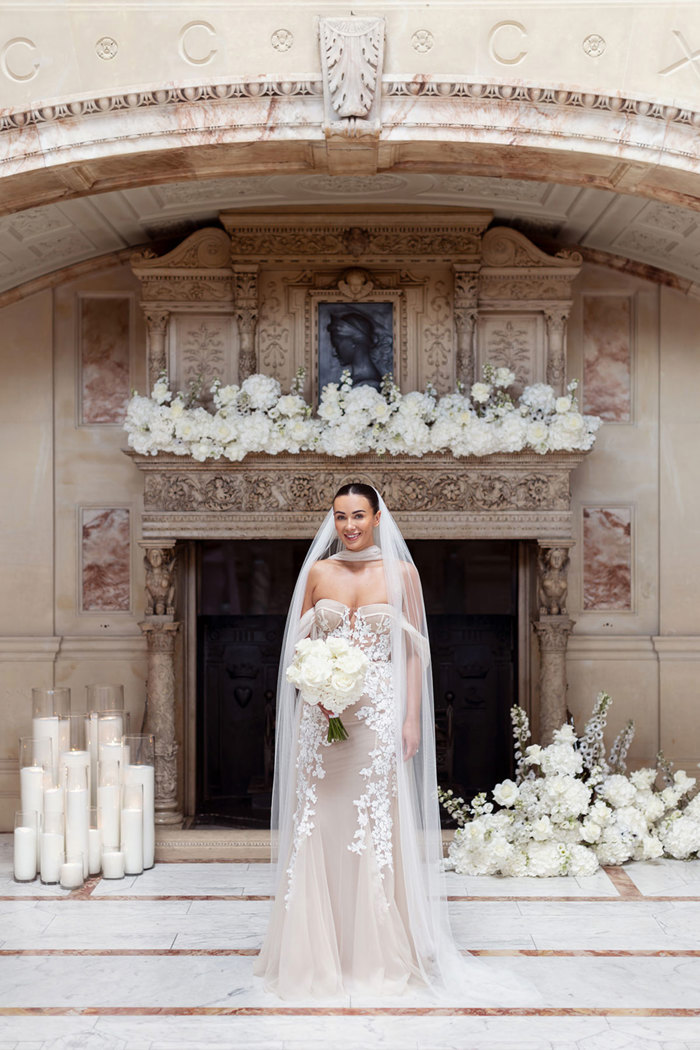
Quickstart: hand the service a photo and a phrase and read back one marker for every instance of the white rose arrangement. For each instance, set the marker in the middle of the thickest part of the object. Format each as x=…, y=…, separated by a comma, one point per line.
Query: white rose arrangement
x=571, y=808
x=257, y=417
x=330, y=672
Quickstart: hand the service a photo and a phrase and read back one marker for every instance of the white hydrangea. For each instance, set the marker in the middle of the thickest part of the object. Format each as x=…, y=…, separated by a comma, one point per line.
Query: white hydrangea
x=261, y=391
x=617, y=790
x=561, y=758
x=539, y=398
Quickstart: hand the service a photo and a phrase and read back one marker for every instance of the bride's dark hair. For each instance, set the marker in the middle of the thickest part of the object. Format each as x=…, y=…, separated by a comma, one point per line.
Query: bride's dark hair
x=358, y=488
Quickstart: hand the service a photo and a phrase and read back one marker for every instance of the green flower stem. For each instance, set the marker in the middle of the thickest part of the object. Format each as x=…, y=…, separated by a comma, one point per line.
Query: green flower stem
x=336, y=730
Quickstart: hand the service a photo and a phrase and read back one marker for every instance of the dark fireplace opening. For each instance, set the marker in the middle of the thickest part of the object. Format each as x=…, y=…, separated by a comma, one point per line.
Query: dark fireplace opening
x=244, y=588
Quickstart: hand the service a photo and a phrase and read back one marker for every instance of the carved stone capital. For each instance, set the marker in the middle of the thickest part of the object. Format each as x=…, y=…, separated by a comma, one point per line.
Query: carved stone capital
x=556, y=319
x=160, y=634
x=553, y=633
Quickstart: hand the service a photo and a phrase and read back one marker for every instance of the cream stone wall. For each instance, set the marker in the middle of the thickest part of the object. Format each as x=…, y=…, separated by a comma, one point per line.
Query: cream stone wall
x=52, y=466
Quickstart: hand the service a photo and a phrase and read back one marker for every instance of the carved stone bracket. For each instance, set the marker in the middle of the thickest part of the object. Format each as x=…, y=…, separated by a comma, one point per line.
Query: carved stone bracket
x=245, y=284
x=553, y=635
x=352, y=57
x=160, y=580
x=552, y=584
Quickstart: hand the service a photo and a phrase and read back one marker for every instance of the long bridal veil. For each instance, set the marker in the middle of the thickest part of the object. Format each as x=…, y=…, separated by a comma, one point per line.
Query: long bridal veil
x=417, y=835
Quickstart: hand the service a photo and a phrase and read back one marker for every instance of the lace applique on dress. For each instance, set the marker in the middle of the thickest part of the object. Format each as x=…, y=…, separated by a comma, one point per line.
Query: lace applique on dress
x=371, y=631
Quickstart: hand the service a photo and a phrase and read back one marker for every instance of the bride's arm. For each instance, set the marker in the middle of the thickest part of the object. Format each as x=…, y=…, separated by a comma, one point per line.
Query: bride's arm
x=311, y=583
x=414, y=670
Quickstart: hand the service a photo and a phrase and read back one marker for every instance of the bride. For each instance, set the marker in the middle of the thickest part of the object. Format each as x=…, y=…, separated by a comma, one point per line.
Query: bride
x=359, y=902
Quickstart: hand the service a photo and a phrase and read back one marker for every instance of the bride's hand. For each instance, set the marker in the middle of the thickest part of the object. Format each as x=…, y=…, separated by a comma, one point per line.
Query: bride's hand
x=411, y=738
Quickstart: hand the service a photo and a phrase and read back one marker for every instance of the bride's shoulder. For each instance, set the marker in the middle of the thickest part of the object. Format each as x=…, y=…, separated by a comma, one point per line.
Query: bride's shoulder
x=320, y=568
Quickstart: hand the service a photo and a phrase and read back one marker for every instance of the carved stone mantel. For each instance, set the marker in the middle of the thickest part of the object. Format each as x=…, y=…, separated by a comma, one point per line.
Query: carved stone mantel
x=519, y=495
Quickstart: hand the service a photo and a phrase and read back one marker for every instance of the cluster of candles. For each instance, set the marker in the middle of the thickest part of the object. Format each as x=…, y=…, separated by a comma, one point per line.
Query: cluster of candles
x=87, y=788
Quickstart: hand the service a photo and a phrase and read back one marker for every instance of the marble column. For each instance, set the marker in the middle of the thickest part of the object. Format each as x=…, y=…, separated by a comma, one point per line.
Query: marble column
x=556, y=347
x=160, y=628
x=553, y=629
x=156, y=355
x=245, y=284
x=465, y=315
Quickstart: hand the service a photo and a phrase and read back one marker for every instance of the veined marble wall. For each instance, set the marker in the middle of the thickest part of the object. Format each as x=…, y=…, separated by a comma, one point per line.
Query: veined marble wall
x=73, y=573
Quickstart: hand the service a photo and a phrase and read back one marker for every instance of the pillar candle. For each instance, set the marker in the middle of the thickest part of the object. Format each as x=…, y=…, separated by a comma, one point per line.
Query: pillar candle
x=25, y=854
x=91, y=736
x=72, y=874
x=78, y=824
x=31, y=784
x=132, y=840
x=111, y=728
x=145, y=775
x=53, y=800
x=113, y=864
x=94, y=850
x=43, y=728
x=108, y=805
x=51, y=853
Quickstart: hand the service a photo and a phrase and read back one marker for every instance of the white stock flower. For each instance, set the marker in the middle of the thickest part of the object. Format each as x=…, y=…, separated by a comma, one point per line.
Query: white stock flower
x=566, y=734
x=161, y=391
x=506, y=793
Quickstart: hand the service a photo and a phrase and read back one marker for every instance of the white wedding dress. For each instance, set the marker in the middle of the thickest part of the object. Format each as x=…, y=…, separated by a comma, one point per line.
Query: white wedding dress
x=340, y=920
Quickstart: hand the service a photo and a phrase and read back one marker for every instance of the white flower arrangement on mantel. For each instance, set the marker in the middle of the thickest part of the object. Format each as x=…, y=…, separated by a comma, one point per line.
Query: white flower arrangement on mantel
x=257, y=417
x=571, y=809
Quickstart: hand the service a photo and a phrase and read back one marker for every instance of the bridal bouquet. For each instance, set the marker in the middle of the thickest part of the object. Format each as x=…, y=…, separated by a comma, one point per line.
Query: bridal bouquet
x=330, y=672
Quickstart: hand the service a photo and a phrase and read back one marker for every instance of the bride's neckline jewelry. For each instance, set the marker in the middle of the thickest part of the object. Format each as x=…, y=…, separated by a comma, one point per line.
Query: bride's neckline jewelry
x=372, y=553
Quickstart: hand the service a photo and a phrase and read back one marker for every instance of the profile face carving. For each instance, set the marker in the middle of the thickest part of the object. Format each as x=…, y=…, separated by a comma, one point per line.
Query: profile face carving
x=351, y=333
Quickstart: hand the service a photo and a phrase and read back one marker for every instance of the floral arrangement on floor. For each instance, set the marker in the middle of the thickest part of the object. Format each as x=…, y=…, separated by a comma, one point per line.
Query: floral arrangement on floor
x=257, y=417
x=571, y=808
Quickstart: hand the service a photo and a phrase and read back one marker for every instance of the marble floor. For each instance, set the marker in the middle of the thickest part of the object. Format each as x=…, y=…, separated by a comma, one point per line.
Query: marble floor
x=163, y=961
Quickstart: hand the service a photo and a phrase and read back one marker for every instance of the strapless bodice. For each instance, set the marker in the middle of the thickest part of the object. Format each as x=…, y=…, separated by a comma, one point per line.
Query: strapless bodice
x=368, y=626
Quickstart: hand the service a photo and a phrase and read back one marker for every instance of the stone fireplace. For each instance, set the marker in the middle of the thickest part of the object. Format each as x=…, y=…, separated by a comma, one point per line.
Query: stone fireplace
x=227, y=303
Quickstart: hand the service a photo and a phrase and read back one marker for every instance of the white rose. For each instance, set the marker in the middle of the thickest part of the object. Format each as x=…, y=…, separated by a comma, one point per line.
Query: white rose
x=337, y=646
x=480, y=392
x=537, y=434
x=590, y=831
x=562, y=404
x=353, y=662
x=506, y=793
x=343, y=688
x=503, y=377
x=315, y=671
x=542, y=829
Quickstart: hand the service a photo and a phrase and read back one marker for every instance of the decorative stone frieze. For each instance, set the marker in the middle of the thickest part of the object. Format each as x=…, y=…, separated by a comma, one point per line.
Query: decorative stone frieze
x=517, y=496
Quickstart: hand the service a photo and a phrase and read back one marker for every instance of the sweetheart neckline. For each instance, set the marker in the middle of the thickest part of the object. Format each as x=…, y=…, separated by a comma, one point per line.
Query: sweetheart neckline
x=368, y=605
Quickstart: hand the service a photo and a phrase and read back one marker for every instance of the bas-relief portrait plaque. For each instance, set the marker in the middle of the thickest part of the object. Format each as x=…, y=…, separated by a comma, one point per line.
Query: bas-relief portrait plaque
x=358, y=336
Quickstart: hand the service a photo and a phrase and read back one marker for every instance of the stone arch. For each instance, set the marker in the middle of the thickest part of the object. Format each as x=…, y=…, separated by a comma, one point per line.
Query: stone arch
x=90, y=145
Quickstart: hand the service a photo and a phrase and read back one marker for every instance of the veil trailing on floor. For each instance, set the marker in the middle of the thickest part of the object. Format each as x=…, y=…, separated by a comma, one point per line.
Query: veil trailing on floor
x=417, y=835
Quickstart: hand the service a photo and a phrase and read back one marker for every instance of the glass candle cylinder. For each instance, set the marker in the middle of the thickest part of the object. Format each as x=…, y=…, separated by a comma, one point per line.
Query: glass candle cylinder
x=35, y=773
x=94, y=843
x=105, y=698
x=112, y=726
x=51, y=852
x=92, y=745
x=112, y=864
x=77, y=804
x=24, y=842
x=109, y=802
x=51, y=701
x=132, y=828
x=72, y=873
x=141, y=770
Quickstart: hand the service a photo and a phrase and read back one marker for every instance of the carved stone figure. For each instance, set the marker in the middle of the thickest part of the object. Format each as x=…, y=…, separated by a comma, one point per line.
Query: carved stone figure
x=160, y=583
x=553, y=586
